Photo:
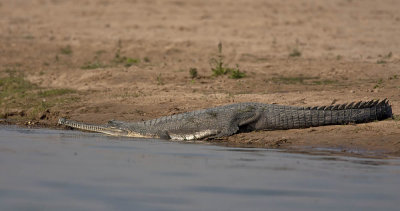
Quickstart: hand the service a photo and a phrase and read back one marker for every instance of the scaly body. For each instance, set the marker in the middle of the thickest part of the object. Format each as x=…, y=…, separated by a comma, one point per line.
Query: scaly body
x=230, y=119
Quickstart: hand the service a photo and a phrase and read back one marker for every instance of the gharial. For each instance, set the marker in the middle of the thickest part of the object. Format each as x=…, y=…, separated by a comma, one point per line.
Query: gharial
x=241, y=117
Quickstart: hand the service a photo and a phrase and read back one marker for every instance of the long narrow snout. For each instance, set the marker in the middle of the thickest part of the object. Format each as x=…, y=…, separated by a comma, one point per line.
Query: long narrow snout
x=94, y=128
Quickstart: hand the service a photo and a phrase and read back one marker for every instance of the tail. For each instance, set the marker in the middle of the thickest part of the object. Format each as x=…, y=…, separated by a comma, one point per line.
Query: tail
x=93, y=128
x=302, y=117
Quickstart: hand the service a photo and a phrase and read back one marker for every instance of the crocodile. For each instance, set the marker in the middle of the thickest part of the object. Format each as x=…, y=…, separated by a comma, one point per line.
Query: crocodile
x=227, y=120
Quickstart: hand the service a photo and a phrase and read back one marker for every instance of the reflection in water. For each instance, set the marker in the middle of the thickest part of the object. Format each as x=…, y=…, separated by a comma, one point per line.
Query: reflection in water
x=70, y=170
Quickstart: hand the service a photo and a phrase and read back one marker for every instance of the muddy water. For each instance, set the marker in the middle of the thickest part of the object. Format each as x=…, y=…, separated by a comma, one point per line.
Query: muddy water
x=71, y=170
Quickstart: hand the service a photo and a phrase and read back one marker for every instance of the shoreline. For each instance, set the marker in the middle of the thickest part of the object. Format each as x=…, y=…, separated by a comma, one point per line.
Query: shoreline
x=314, y=140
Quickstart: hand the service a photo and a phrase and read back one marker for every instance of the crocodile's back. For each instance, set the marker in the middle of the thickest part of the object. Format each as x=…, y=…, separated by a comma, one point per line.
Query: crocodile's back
x=217, y=121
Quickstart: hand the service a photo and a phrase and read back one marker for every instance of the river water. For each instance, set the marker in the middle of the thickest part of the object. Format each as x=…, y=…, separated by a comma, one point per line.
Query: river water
x=44, y=169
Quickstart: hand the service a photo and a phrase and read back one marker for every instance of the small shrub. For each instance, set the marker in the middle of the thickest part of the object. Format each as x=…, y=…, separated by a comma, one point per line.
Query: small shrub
x=146, y=59
x=236, y=73
x=295, y=53
x=217, y=64
x=193, y=73
x=67, y=50
x=93, y=65
x=160, y=80
x=218, y=68
x=381, y=61
x=126, y=61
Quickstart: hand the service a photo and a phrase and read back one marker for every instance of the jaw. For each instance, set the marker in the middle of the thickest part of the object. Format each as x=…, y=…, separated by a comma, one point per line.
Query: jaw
x=109, y=130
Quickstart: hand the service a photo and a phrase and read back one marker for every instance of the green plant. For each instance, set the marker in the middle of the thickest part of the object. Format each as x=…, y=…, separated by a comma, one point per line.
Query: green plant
x=379, y=83
x=93, y=65
x=67, y=50
x=160, y=80
x=381, y=61
x=29, y=37
x=236, y=73
x=393, y=77
x=146, y=59
x=388, y=56
x=295, y=53
x=18, y=93
x=218, y=68
x=126, y=61
x=193, y=73
x=14, y=87
x=217, y=64
x=384, y=58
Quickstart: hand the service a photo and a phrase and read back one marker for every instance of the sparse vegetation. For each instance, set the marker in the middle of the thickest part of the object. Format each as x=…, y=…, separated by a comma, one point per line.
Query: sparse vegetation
x=14, y=87
x=379, y=83
x=29, y=37
x=295, y=52
x=67, y=50
x=305, y=80
x=193, y=73
x=217, y=64
x=93, y=65
x=126, y=61
x=384, y=58
x=16, y=93
x=381, y=61
x=146, y=59
x=292, y=79
x=236, y=73
x=218, y=68
x=160, y=80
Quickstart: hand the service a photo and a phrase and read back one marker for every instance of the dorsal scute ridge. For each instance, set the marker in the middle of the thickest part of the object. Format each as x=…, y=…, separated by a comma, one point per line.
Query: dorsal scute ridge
x=358, y=105
x=349, y=106
x=342, y=106
x=371, y=103
x=383, y=102
x=352, y=105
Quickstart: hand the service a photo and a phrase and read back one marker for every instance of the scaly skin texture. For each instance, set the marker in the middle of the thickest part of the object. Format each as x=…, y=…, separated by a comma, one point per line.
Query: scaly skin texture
x=230, y=119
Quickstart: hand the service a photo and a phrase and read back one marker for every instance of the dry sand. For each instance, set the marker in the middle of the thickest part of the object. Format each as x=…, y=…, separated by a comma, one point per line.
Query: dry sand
x=350, y=51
